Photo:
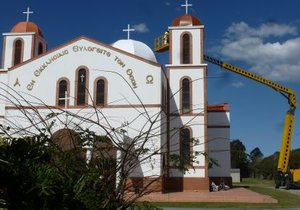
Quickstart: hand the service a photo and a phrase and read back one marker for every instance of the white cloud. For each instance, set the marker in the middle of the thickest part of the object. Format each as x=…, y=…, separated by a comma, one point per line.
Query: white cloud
x=238, y=84
x=142, y=28
x=242, y=29
x=276, y=60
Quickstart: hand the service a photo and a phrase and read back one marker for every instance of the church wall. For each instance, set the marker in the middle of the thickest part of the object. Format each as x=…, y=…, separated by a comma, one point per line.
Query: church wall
x=193, y=172
x=3, y=80
x=219, y=118
x=127, y=119
x=219, y=141
x=118, y=118
x=131, y=77
x=219, y=150
x=187, y=184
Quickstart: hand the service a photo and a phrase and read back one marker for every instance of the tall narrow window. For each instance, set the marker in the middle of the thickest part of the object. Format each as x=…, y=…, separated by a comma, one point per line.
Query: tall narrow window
x=186, y=57
x=81, y=87
x=18, y=52
x=100, y=92
x=62, y=90
x=164, y=98
x=40, y=48
x=185, y=145
x=185, y=96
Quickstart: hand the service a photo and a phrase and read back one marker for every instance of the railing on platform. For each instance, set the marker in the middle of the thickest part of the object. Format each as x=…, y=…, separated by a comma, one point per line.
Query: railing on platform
x=161, y=43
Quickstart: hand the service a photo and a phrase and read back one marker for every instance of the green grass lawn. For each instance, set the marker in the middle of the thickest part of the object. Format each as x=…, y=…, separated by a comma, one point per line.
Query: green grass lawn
x=257, y=182
x=266, y=187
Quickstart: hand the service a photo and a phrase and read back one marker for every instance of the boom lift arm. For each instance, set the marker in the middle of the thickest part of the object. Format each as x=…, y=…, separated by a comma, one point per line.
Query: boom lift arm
x=289, y=94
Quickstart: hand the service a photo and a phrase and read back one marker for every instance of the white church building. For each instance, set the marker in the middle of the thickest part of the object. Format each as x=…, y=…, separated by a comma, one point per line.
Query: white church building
x=121, y=86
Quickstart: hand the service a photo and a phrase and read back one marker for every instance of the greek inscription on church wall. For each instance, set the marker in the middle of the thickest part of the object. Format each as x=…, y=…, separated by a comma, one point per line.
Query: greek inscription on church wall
x=30, y=85
x=78, y=48
x=39, y=71
x=129, y=72
x=119, y=61
x=149, y=79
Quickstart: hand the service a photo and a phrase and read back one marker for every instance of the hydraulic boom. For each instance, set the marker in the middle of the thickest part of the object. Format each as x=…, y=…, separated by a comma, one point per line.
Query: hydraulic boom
x=286, y=177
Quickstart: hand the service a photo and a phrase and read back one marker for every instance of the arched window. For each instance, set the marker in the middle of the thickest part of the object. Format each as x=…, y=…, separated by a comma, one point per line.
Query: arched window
x=186, y=96
x=40, y=48
x=18, y=46
x=185, y=145
x=62, y=92
x=81, y=92
x=100, y=92
x=186, y=51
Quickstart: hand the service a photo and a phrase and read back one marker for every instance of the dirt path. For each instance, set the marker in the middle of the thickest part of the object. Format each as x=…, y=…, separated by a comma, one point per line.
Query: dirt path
x=236, y=195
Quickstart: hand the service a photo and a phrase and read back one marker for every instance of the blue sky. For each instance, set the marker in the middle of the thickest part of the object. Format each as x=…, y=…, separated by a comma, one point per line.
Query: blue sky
x=262, y=36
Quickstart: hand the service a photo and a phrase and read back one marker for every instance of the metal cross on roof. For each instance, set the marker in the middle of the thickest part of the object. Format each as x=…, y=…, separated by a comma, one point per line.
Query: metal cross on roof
x=128, y=30
x=28, y=12
x=186, y=5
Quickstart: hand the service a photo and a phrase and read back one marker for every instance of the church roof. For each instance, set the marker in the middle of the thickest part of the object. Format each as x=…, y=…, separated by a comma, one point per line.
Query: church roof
x=136, y=48
x=24, y=26
x=186, y=20
x=218, y=107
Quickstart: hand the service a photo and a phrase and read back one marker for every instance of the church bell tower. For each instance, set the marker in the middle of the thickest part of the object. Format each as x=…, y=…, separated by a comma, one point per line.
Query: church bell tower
x=187, y=112
x=25, y=41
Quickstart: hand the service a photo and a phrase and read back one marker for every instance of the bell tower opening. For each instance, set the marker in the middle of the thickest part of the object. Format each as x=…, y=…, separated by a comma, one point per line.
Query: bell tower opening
x=18, y=49
x=186, y=49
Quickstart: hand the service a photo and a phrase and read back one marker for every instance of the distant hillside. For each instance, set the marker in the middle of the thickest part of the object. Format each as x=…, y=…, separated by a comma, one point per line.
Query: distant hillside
x=268, y=165
x=295, y=159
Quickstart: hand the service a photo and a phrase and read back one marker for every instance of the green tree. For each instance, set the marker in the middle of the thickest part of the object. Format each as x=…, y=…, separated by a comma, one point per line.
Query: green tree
x=268, y=166
x=255, y=158
x=38, y=174
x=239, y=157
x=295, y=159
x=29, y=181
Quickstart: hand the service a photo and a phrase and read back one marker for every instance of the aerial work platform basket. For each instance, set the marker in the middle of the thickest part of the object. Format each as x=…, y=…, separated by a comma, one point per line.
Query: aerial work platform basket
x=161, y=44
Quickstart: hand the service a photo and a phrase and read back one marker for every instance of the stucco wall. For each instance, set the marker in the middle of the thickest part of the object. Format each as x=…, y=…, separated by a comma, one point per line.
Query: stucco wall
x=219, y=143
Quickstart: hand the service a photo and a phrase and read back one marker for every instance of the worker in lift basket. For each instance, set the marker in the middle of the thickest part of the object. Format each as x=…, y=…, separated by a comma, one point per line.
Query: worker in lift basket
x=166, y=37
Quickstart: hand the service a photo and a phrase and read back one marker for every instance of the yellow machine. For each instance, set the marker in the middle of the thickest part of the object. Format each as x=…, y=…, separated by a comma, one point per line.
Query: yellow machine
x=286, y=177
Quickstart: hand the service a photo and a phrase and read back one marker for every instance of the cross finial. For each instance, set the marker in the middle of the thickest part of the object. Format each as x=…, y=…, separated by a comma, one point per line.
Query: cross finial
x=186, y=5
x=28, y=12
x=128, y=30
